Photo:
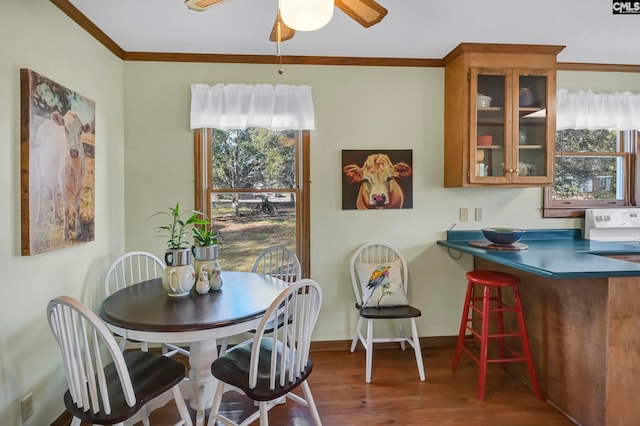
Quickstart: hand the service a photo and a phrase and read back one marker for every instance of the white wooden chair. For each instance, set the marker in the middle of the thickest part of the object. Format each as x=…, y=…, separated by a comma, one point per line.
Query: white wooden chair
x=380, y=253
x=268, y=368
x=279, y=262
x=131, y=268
x=105, y=385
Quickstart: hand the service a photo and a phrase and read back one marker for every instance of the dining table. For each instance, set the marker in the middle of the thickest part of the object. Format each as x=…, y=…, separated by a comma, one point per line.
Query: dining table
x=145, y=312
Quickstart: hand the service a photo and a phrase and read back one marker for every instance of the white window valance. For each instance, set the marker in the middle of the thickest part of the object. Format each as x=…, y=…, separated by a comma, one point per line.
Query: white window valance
x=240, y=106
x=584, y=109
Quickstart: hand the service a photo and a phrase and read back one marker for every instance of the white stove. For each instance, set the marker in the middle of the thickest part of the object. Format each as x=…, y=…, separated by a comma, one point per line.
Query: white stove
x=619, y=224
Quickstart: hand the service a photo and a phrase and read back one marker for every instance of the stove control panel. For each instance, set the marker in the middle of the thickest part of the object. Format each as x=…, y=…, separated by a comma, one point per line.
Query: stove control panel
x=621, y=224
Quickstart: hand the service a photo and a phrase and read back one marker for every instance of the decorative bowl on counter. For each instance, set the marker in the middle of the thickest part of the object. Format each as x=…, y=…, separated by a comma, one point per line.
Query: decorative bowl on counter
x=502, y=236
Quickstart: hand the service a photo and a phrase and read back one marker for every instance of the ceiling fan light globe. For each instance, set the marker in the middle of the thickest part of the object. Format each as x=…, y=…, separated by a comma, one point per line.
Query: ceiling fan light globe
x=306, y=15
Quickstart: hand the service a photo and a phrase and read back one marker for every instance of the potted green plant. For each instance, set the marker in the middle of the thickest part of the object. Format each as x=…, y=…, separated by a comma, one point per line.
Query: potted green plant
x=204, y=235
x=178, y=226
x=205, y=252
x=179, y=275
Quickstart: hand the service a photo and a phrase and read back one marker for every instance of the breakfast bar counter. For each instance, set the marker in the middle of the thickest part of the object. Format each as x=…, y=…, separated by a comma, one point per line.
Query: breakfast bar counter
x=556, y=253
x=580, y=299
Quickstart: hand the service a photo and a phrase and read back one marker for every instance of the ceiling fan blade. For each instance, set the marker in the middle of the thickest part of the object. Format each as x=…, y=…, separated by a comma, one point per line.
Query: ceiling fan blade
x=366, y=12
x=286, y=33
x=201, y=5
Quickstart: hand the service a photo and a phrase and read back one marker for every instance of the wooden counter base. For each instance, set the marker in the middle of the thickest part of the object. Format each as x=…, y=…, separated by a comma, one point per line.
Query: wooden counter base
x=585, y=341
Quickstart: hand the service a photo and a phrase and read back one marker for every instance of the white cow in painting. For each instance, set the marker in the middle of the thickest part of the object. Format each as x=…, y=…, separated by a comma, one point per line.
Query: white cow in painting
x=61, y=164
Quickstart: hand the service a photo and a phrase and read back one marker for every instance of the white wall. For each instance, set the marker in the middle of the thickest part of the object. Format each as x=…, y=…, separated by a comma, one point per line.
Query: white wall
x=599, y=82
x=356, y=108
x=37, y=36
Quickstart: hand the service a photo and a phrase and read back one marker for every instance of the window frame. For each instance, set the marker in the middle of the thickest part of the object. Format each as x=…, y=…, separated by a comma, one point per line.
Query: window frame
x=628, y=149
x=203, y=190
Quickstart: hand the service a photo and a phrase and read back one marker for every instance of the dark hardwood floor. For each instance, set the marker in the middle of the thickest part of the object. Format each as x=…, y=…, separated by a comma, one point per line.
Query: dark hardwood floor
x=397, y=397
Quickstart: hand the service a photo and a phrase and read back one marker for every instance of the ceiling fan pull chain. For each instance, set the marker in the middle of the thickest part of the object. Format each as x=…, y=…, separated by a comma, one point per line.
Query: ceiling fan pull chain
x=280, y=70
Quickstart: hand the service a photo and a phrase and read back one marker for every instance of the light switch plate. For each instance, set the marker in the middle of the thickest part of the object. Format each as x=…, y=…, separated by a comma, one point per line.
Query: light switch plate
x=26, y=407
x=464, y=214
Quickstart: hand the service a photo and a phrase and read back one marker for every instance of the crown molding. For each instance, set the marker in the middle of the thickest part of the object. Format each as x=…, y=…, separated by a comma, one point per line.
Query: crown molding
x=79, y=18
x=578, y=66
x=285, y=60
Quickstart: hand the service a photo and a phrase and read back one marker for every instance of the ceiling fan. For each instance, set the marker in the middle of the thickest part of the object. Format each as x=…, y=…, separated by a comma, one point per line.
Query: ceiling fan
x=365, y=12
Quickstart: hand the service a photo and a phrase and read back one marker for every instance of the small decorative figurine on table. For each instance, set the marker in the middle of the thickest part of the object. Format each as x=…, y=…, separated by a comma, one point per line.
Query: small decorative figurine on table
x=202, y=285
x=206, y=252
x=215, y=280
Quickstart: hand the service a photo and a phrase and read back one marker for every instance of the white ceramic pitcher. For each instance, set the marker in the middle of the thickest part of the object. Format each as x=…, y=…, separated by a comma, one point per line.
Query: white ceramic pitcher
x=179, y=280
x=179, y=276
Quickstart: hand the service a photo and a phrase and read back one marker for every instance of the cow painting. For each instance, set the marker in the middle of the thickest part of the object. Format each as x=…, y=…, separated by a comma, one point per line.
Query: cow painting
x=57, y=151
x=379, y=181
x=61, y=167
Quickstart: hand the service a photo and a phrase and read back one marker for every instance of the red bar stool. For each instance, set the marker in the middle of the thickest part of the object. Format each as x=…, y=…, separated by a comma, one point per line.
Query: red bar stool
x=490, y=308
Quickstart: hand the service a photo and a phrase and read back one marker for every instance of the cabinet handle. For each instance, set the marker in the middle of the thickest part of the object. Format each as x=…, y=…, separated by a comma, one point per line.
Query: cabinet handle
x=510, y=170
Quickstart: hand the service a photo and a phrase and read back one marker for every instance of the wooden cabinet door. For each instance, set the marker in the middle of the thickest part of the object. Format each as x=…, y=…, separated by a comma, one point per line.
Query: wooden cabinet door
x=490, y=125
x=533, y=127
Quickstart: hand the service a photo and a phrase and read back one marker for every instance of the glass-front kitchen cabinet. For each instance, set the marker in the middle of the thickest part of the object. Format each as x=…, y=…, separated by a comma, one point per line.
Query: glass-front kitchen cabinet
x=500, y=115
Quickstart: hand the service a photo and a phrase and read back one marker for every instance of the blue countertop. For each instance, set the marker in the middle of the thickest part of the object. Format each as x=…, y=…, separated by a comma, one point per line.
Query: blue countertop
x=555, y=253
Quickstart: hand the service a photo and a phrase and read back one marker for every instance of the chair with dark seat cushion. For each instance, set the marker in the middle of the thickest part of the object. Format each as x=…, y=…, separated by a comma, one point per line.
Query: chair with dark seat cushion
x=380, y=280
x=280, y=262
x=267, y=368
x=106, y=386
x=131, y=268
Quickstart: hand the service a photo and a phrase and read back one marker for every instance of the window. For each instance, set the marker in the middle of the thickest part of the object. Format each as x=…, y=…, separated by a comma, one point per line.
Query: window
x=593, y=168
x=252, y=183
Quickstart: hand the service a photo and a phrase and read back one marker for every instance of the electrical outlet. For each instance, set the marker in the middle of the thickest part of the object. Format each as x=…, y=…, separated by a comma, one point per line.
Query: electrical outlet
x=479, y=214
x=464, y=214
x=26, y=406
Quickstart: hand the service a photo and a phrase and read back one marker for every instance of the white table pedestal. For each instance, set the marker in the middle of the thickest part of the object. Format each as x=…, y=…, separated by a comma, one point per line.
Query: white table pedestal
x=201, y=384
